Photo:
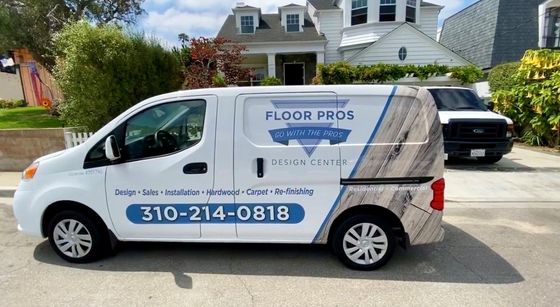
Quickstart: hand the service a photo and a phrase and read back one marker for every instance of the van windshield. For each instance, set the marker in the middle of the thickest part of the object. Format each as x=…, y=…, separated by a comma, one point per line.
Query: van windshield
x=457, y=100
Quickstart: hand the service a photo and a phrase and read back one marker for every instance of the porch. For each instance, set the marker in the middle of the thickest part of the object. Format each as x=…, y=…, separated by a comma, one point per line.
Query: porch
x=290, y=68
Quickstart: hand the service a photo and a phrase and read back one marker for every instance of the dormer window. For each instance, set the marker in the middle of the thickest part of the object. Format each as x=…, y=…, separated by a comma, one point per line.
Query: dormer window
x=359, y=12
x=247, y=25
x=292, y=23
x=411, y=11
x=388, y=10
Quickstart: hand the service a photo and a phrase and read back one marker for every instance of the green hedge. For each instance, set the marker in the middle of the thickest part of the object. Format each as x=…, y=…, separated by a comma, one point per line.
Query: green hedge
x=12, y=103
x=345, y=73
x=501, y=76
x=271, y=81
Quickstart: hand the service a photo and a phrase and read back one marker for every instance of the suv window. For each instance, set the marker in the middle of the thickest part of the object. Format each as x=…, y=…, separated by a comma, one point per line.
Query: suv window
x=457, y=100
x=164, y=129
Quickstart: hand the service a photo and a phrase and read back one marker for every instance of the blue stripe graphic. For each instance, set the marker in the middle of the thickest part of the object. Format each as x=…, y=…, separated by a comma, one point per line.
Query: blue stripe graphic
x=357, y=166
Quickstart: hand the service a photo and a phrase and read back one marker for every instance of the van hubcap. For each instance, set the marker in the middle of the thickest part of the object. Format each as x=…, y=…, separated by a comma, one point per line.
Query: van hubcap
x=72, y=238
x=365, y=243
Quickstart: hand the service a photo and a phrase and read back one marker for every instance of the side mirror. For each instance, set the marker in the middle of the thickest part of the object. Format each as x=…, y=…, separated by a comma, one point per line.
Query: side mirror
x=491, y=106
x=112, y=151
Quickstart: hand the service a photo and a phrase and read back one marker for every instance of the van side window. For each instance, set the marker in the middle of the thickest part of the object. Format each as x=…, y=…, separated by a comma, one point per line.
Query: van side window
x=164, y=129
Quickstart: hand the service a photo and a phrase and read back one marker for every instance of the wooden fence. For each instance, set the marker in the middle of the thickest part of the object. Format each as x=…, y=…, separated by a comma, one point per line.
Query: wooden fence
x=73, y=139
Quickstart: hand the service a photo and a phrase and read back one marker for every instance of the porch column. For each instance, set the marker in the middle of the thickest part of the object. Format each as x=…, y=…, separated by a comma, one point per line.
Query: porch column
x=271, y=64
x=320, y=58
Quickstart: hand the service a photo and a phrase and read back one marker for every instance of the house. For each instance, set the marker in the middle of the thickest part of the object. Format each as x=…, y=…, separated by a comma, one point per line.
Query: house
x=291, y=43
x=23, y=78
x=549, y=24
x=493, y=32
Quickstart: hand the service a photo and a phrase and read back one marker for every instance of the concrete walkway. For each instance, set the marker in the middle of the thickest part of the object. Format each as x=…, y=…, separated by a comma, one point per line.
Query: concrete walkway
x=8, y=183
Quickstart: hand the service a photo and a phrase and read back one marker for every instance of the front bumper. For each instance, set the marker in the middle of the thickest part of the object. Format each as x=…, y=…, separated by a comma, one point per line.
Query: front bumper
x=463, y=148
x=29, y=222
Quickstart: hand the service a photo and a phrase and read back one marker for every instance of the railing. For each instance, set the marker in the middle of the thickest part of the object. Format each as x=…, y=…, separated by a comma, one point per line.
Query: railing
x=73, y=139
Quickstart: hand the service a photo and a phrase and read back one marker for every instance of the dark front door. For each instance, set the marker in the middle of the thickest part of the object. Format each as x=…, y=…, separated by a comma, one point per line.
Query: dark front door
x=294, y=74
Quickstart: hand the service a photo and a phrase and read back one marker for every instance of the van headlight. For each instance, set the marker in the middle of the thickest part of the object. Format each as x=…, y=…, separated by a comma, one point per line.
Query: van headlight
x=510, y=131
x=30, y=171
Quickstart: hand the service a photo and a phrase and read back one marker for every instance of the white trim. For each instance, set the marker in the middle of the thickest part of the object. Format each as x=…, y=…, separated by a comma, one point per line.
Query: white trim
x=293, y=63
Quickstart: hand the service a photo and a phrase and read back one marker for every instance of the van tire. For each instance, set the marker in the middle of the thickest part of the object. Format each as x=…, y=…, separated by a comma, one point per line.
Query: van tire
x=77, y=238
x=490, y=160
x=383, y=245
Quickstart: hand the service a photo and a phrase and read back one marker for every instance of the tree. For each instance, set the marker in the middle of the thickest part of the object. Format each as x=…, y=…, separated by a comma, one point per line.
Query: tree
x=103, y=71
x=532, y=99
x=210, y=57
x=32, y=24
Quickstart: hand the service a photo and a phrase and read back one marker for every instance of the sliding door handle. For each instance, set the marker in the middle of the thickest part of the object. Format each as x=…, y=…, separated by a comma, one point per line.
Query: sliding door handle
x=195, y=168
x=260, y=167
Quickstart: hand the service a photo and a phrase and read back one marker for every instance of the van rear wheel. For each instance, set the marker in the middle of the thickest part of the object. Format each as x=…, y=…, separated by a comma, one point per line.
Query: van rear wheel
x=76, y=238
x=364, y=242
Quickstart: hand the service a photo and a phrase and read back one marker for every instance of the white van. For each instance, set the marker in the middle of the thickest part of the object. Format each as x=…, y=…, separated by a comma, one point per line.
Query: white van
x=359, y=167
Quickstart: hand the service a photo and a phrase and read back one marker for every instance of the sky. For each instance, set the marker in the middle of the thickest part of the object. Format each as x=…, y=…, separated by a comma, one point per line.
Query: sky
x=165, y=19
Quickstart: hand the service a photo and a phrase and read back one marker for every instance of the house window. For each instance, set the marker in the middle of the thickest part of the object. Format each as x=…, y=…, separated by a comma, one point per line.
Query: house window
x=403, y=53
x=388, y=10
x=292, y=23
x=411, y=10
x=247, y=24
x=552, y=28
x=359, y=12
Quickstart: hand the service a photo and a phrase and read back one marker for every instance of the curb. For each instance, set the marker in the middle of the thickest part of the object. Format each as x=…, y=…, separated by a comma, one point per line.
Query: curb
x=7, y=192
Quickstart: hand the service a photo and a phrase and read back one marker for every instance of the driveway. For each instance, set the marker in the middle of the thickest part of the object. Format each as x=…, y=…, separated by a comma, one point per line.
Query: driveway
x=502, y=248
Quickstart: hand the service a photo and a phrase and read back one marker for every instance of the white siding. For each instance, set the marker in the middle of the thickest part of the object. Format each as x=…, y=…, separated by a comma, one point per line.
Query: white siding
x=11, y=86
x=331, y=25
x=429, y=21
x=350, y=53
x=421, y=50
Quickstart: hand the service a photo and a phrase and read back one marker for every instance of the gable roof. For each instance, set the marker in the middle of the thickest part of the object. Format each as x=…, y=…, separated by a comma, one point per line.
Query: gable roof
x=330, y=4
x=270, y=30
x=423, y=36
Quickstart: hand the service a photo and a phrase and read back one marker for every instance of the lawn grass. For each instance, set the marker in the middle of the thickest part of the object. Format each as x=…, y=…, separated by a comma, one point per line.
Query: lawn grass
x=28, y=117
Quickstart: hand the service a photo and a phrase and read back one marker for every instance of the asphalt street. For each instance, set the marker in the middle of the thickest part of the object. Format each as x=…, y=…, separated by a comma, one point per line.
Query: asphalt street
x=502, y=248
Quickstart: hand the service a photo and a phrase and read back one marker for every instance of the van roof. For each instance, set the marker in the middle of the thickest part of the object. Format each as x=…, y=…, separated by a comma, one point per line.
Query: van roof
x=234, y=91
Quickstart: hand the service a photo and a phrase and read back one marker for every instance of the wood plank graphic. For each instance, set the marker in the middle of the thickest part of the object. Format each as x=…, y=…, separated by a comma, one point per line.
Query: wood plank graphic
x=405, y=146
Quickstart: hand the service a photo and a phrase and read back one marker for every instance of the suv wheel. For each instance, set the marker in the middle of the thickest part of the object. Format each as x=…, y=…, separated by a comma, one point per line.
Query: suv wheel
x=364, y=242
x=490, y=160
x=76, y=238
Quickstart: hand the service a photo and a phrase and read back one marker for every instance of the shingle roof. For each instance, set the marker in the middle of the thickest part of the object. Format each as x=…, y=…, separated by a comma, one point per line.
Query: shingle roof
x=323, y=4
x=270, y=30
x=293, y=5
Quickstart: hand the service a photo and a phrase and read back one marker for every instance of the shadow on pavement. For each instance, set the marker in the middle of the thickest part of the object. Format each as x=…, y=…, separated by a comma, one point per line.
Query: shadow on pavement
x=461, y=258
x=504, y=165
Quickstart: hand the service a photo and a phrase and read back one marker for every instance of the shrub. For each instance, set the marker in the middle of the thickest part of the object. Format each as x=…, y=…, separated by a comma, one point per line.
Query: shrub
x=103, y=71
x=271, y=81
x=501, y=76
x=533, y=99
x=218, y=81
x=345, y=73
x=12, y=103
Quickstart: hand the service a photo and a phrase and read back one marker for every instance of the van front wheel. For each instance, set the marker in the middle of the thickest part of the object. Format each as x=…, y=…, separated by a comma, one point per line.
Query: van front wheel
x=76, y=238
x=364, y=242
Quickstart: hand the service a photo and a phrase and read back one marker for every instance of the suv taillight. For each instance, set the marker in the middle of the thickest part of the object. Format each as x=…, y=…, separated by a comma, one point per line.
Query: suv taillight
x=438, y=189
